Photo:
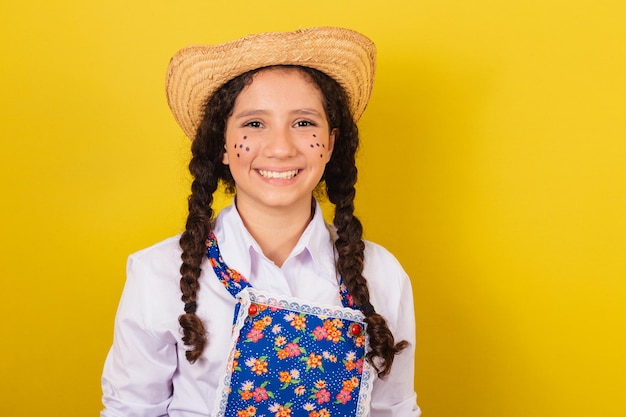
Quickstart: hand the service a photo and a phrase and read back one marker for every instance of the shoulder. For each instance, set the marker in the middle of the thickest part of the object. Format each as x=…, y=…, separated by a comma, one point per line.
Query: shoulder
x=155, y=267
x=388, y=283
x=162, y=256
x=379, y=261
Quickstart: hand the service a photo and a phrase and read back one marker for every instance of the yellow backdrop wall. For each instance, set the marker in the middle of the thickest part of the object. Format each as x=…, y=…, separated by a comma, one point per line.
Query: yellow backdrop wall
x=492, y=165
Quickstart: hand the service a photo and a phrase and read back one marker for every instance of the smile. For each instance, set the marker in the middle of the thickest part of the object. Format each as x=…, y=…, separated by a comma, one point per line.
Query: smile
x=283, y=175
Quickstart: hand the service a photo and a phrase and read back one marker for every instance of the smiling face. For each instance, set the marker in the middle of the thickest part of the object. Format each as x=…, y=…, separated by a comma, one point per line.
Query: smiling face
x=278, y=141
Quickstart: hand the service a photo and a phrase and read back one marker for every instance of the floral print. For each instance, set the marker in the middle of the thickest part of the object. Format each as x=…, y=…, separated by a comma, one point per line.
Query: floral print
x=287, y=361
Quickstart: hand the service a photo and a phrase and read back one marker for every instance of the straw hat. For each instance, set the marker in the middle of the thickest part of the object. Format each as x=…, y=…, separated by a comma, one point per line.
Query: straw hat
x=197, y=71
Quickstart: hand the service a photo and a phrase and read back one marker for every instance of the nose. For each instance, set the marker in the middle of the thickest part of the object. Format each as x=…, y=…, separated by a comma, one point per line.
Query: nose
x=280, y=143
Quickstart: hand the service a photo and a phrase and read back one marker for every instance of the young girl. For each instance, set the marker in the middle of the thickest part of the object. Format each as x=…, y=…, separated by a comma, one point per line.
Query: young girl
x=281, y=314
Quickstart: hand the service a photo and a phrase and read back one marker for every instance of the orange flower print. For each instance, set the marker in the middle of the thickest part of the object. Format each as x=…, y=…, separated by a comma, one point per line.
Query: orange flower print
x=313, y=361
x=284, y=377
x=320, y=383
x=248, y=412
x=322, y=413
x=281, y=410
x=280, y=341
x=299, y=390
x=260, y=366
x=299, y=322
x=348, y=385
x=282, y=354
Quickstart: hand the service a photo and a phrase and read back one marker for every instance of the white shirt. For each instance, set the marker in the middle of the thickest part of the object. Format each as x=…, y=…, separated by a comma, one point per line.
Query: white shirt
x=146, y=373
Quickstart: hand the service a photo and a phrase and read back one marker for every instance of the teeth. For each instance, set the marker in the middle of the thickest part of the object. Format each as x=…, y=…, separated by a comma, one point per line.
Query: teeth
x=283, y=175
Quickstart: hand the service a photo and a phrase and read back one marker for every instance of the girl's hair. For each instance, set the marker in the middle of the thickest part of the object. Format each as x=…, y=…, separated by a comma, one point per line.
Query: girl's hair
x=339, y=177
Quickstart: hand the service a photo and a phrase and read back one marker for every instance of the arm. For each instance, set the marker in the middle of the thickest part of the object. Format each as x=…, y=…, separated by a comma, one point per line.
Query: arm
x=392, y=296
x=137, y=376
x=395, y=396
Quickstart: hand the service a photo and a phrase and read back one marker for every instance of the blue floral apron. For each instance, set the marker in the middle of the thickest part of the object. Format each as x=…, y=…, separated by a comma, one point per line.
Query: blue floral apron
x=291, y=358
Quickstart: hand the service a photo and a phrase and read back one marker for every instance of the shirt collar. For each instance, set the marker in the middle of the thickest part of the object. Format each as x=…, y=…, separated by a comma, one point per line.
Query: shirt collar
x=316, y=242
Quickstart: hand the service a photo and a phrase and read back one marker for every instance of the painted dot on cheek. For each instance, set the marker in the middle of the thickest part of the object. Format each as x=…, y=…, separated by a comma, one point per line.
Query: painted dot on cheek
x=235, y=146
x=245, y=137
x=241, y=146
x=321, y=156
x=312, y=146
x=318, y=145
x=247, y=149
x=237, y=155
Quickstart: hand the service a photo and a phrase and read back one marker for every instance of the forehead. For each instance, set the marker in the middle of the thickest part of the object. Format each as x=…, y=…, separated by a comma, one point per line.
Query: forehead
x=282, y=73
x=280, y=84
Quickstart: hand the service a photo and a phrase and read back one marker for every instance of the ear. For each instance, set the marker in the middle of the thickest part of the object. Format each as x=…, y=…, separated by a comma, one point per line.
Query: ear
x=225, y=156
x=331, y=142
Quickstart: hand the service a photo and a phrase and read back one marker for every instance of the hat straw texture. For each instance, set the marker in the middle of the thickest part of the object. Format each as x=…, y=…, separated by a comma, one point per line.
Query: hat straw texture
x=197, y=71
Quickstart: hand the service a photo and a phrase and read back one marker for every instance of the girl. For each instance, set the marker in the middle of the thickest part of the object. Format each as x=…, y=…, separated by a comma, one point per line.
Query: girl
x=280, y=314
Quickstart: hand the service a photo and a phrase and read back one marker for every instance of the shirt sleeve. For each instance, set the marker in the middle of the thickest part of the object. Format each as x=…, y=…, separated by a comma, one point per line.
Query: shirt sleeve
x=394, y=396
x=137, y=376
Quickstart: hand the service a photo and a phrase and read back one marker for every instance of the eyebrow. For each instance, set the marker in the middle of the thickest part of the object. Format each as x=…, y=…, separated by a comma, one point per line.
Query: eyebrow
x=260, y=112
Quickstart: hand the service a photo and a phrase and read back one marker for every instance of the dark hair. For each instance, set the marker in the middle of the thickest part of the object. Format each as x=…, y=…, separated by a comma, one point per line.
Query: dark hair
x=339, y=178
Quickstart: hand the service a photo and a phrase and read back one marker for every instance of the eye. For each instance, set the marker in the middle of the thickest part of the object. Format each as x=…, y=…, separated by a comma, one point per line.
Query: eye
x=304, y=123
x=254, y=123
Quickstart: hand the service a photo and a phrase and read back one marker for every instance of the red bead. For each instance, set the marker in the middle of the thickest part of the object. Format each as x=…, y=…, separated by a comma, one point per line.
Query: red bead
x=253, y=310
x=355, y=329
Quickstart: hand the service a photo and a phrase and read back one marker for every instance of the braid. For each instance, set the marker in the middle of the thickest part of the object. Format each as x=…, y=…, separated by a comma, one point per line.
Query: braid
x=207, y=169
x=340, y=177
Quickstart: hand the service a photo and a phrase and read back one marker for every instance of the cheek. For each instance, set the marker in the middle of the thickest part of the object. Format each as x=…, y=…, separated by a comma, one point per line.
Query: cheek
x=316, y=146
x=241, y=147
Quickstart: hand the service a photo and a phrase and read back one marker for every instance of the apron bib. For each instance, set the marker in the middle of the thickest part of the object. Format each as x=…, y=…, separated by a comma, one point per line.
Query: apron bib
x=289, y=357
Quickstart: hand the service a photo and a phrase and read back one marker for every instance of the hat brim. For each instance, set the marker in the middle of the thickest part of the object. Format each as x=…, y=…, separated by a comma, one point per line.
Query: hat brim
x=197, y=71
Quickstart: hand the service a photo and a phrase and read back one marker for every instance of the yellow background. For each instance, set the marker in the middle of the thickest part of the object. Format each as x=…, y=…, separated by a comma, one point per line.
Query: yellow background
x=492, y=165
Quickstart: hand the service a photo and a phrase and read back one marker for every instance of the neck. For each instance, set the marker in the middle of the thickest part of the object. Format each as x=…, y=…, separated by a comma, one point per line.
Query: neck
x=277, y=231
